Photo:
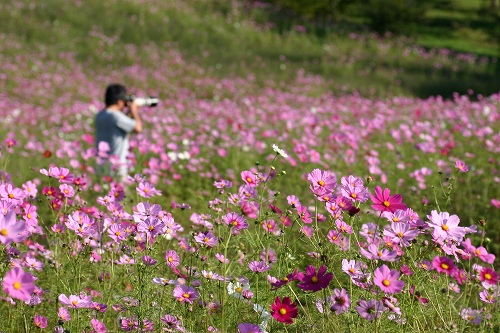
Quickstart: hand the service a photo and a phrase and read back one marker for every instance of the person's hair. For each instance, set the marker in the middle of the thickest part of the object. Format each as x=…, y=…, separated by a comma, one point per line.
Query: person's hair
x=114, y=93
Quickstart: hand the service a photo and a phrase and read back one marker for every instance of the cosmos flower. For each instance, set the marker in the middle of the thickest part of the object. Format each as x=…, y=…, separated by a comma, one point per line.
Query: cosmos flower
x=446, y=226
x=444, y=265
x=385, y=202
x=10, y=229
x=387, y=280
x=284, y=310
x=185, y=293
x=18, y=284
x=312, y=281
x=370, y=310
x=40, y=321
x=340, y=301
x=172, y=258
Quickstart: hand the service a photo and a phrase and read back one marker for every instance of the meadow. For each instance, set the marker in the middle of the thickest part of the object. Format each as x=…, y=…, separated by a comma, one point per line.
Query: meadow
x=254, y=204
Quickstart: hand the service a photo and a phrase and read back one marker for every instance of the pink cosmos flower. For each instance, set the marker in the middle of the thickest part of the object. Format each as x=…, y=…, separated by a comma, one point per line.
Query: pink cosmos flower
x=235, y=221
x=98, y=326
x=310, y=280
x=18, y=284
x=10, y=229
x=479, y=252
x=250, y=178
x=259, y=266
x=74, y=301
x=444, y=265
x=385, y=202
x=387, y=280
x=63, y=314
x=374, y=253
x=343, y=227
x=293, y=201
x=185, y=293
x=151, y=226
x=340, y=301
x=461, y=166
x=488, y=277
x=321, y=182
x=304, y=214
x=172, y=258
x=11, y=194
x=495, y=203
x=147, y=190
x=446, y=226
x=206, y=238
x=370, y=310
x=40, y=321
x=67, y=190
x=401, y=233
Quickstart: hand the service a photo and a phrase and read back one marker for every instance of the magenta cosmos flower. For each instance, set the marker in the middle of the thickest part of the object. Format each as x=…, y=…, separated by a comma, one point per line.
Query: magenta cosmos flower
x=444, y=265
x=488, y=276
x=284, y=310
x=385, y=202
x=387, y=280
x=18, y=284
x=310, y=280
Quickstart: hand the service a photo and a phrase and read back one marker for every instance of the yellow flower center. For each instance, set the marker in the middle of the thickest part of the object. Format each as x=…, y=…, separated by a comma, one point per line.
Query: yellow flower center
x=487, y=276
x=186, y=295
x=11, y=195
x=283, y=311
x=314, y=279
x=445, y=227
x=386, y=203
x=250, y=180
x=4, y=232
x=354, y=195
x=170, y=259
x=321, y=183
x=238, y=289
x=17, y=285
x=386, y=282
x=444, y=266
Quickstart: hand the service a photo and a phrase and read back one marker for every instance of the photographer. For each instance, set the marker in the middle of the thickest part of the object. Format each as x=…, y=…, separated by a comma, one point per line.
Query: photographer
x=113, y=126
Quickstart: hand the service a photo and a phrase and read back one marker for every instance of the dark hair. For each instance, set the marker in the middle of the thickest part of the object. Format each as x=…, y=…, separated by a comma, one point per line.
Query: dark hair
x=114, y=93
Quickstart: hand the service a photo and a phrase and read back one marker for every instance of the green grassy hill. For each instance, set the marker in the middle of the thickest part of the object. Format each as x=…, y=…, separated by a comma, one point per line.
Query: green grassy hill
x=225, y=40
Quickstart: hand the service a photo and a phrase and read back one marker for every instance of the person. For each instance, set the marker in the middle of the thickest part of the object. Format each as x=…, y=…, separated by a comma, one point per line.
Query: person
x=112, y=127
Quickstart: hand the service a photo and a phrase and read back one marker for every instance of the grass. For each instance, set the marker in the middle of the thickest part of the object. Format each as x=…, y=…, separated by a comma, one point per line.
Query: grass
x=226, y=41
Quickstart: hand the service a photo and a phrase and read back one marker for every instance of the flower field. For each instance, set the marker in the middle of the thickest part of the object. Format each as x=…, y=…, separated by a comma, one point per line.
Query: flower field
x=249, y=208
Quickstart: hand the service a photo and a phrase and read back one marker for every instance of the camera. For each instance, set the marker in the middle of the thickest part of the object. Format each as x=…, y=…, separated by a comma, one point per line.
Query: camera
x=143, y=101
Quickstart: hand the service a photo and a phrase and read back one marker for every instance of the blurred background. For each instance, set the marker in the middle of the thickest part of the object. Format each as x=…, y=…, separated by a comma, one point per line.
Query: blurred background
x=372, y=47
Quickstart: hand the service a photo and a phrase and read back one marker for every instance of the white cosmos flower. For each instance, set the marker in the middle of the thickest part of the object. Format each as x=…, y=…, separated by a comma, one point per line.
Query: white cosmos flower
x=236, y=289
x=279, y=151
